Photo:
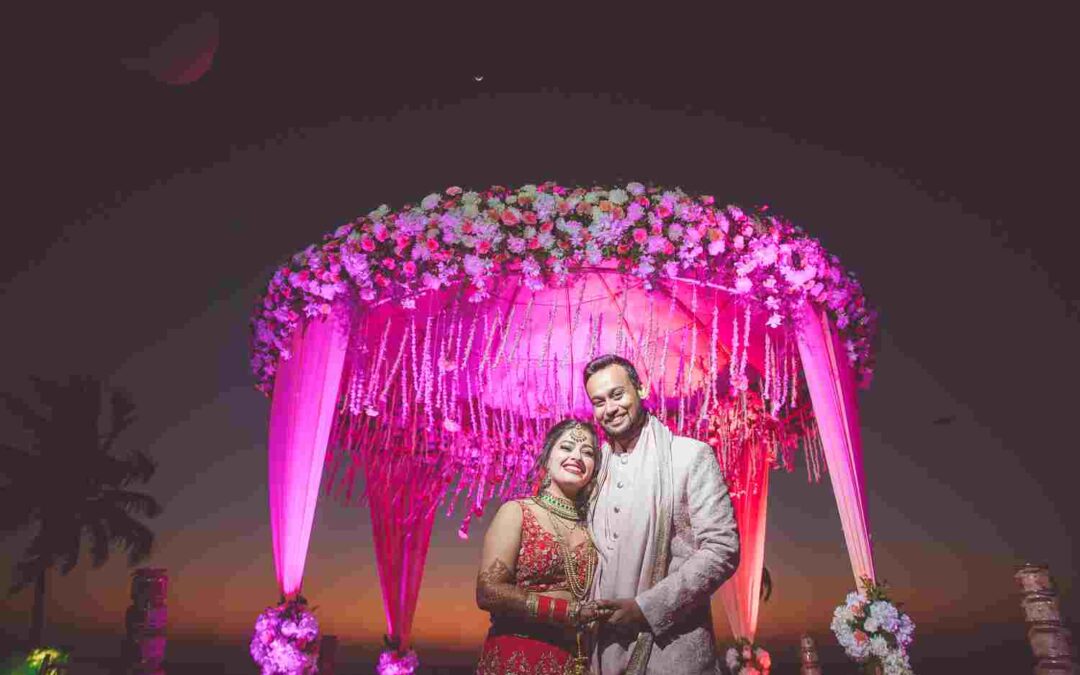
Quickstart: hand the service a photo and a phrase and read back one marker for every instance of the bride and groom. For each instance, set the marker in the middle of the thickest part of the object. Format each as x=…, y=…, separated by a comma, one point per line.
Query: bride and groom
x=610, y=566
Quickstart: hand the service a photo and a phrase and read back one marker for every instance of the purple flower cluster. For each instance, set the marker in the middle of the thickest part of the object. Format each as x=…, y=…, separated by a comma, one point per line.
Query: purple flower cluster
x=286, y=639
x=545, y=233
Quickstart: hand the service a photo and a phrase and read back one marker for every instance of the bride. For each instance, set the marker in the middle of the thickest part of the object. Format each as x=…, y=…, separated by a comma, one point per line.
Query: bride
x=537, y=565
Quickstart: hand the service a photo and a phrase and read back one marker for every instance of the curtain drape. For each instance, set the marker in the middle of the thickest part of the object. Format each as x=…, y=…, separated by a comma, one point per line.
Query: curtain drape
x=831, y=382
x=301, y=416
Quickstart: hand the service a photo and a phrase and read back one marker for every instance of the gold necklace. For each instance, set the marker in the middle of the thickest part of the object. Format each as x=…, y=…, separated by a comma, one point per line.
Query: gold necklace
x=577, y=588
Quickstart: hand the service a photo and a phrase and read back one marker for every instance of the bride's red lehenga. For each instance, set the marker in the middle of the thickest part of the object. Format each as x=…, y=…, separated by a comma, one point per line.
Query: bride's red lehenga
x=516, y=646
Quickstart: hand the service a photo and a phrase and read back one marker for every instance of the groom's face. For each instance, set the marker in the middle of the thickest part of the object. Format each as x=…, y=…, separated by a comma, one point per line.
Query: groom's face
x=616, y=403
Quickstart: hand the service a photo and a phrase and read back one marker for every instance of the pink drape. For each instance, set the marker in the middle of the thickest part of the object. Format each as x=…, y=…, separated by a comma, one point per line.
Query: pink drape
x=831, y=382
x=741, y=594
x=403, y=493
x=301, y=416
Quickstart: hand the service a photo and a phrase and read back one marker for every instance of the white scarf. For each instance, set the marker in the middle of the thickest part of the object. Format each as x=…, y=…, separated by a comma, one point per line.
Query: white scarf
x=643, y=548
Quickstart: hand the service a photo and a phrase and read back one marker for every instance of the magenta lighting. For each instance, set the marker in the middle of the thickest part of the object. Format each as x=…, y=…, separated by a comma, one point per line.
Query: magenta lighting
x=428, y=349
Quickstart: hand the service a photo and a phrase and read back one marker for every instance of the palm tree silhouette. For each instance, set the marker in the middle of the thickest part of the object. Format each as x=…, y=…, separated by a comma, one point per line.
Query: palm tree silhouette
x=68, y=483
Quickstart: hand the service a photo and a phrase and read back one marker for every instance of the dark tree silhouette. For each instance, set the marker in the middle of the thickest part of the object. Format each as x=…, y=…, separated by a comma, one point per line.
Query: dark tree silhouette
x=68, y=483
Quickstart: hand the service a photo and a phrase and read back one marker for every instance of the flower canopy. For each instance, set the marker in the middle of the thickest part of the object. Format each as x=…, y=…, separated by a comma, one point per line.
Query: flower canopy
x=440, y=341
x=547, y=232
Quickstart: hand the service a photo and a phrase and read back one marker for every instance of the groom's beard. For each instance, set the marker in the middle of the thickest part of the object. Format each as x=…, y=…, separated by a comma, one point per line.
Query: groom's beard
x=630, y=436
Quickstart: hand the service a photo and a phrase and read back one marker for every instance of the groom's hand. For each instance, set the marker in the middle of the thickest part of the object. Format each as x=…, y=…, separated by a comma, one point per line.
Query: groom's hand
x=626, y=615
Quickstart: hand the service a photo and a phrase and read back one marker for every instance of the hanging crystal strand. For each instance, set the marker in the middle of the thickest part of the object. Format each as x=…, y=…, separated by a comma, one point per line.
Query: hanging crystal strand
x=425, y=372
x=714, y=346
x=415, y=360
x=352, y=400
x=525, y=322
x=663, y=374
x=442, y=372
x=782, y=367
x=405, y=383
x=745, y=348
x=490, y=331
x=390, y=377
x=681, y=381
x=766, y=393
x=373, y=380
x=505, y=336
x=664, y=353
x=594, y=346
x=545, y=353
x=794, y=379
x=733, y=364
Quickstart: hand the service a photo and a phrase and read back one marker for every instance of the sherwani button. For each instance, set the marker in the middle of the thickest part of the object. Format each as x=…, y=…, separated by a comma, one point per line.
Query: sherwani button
x=620, y=484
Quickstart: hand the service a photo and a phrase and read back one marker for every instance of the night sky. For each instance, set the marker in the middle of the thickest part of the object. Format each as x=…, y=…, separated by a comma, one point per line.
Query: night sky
x=934, y=153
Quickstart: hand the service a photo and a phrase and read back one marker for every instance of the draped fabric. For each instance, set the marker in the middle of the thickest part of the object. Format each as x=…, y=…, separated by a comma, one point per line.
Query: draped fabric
x=831, y=382
x=301, y=416
x=741, y=594
x=403, y=493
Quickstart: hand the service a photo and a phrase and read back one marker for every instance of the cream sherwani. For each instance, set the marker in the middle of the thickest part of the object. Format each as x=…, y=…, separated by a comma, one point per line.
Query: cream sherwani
x=703, y=550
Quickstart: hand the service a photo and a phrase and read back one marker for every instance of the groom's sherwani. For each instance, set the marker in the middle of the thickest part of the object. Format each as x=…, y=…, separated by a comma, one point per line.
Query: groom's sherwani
x=665, y=529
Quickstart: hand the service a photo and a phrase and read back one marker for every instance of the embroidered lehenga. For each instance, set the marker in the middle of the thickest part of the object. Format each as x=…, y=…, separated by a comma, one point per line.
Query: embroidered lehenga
x=531, y=646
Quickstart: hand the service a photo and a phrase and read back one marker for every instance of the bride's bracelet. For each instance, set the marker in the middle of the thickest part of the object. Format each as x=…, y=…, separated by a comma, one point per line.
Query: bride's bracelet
x=552, y=610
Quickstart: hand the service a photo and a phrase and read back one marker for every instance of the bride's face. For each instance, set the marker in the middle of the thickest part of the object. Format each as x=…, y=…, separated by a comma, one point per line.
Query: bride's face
x=573, y=460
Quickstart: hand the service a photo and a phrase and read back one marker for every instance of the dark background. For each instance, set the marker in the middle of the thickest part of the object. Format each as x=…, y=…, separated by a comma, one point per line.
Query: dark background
x=932, y=150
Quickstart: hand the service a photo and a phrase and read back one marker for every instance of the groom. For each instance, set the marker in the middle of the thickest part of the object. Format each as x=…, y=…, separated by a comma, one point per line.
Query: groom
x=663, y=524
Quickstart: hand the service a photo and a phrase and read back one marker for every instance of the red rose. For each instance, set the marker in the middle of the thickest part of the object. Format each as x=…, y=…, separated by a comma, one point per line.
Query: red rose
x=389, y=263
x=529, y=217
x=547, y=226
x=466, y=227
x=509, y=219
x=483, y=247
x=381, y=280
x=432, y=244
x=409, y=268
x=402, y=241
x=623, y=249
x=533, y=243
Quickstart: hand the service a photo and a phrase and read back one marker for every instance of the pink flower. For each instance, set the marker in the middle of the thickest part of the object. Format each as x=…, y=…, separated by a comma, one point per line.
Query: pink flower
x=409, y=268
x=509, y=218
x=453, y=190
x=483, y=247
x=774, y=320
x=366, y=243
x=743, y=285
x=716, y=247
x=640, y=235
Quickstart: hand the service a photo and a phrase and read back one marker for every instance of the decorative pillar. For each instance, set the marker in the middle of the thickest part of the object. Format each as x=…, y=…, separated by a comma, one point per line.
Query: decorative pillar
x=327, y=654
x=1051, y=642
x=144, y=646
x=808, y=658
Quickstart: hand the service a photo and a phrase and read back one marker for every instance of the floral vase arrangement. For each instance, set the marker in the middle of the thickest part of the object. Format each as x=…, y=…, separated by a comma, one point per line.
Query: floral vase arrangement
x=286, y=639
x=873, y=631
x=746, y=658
